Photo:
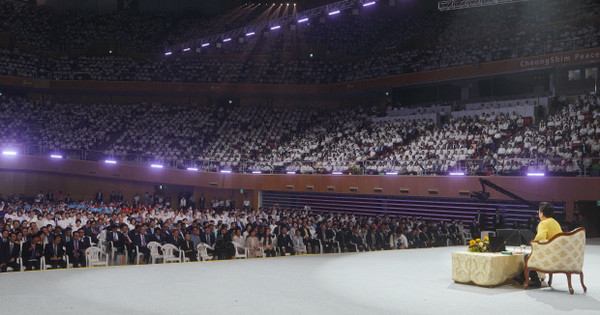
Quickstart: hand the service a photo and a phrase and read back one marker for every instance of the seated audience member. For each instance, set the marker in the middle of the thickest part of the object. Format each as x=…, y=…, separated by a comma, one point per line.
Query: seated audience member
x=284, y=242
x=10, y=251
x=33, y=251
x=195, y=236
x=253, y=245
x=398, y=239
x=175, y=237
x=374, y=240
x=158, y=236
x=113, y=237
x=298, y=243
x=266, y=242
x=325, y=235
x=426, y=236
x=238, y=240
x=140, y=240
x=356, y=240
x=54, y=253
x=76, y=251
x=224, y=249
x=208, y=237
x=187, y=246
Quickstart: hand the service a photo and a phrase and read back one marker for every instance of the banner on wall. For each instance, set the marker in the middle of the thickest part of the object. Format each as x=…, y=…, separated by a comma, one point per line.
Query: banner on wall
x=560, y=59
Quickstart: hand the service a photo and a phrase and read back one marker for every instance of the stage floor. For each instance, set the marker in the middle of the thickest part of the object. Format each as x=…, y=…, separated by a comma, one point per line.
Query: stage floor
x=386, y=282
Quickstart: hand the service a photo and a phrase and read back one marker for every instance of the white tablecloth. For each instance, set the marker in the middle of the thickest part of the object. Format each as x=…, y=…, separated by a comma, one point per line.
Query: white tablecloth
x=486, y=269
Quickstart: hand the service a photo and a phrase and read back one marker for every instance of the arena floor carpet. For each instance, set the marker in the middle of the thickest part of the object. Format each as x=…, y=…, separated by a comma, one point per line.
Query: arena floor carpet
x=387, y=282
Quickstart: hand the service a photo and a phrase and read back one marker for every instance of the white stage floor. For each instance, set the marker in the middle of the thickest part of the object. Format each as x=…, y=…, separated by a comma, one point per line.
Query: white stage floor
x=386, y=282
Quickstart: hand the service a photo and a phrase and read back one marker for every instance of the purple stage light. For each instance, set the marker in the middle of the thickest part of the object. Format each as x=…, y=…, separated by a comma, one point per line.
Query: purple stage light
x=192, y=169
x=337, y=173
x=226, y=171
x=156, y=166
x=291, y=172
x=110, y=161
x=205, y=44
x=250, y=34
x=256, y=172
x=168, y=53
x=457, y=174
x=391, y=173
x=227, y=40
x=536, y=174
x=275, y=27
x=334, y=12
x=303, y=20
x=56, y=156
x=9, y=152
x=368, y=4
x=187, y=49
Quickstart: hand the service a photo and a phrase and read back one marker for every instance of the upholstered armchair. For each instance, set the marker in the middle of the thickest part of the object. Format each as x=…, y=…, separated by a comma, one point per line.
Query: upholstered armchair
x=561, y=254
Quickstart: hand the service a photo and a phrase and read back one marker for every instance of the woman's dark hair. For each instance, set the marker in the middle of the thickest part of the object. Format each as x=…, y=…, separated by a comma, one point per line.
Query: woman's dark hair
x=547, y=209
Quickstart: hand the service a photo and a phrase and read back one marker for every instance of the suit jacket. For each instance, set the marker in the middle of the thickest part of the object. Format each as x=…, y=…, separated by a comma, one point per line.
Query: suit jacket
x=480, y=218
x=159, y=238
x=342, y=237
x=375, y=243
x=284, y=241
x=49, y=251
x=323, y=235
x=36, y=253
x=305, y=232
x=93, y=233
x=208, y=238
x=498, y=221
x=186, y=245
x=64, y=239
x=175, y=241
x=356, y=239
x=120, y=241
x=71, y=248
x=137, y=240
x=6, y=254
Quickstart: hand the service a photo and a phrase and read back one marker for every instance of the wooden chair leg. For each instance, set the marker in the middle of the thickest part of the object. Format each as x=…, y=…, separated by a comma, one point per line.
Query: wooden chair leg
x=569, y=282
x=583, y=285
x=549, y=279
x=526, y=272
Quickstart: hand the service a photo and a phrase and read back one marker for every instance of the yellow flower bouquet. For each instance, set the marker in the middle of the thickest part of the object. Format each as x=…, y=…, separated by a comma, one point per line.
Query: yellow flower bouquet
x=479, y=245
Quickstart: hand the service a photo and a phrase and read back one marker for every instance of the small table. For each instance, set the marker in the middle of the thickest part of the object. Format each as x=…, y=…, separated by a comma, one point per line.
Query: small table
x=485, y=269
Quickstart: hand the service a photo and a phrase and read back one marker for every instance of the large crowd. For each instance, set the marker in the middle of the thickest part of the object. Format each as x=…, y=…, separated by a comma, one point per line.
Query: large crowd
x=308, y=140
x=56, y=227
x=370, y=50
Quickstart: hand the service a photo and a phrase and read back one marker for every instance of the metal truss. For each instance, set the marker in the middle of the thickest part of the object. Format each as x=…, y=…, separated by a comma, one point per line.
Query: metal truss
x=255, y=29
x=448, y=5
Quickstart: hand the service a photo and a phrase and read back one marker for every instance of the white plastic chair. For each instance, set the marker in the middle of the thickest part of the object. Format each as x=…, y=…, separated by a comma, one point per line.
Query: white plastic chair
x=321, y=251
x=155, y=252
x=202, y=251
x=95, y=257
x=169, y=253
x=91, y=242
x=113, y=251
x=138, y=255
x=240, y=251
x=102, y=240
x=336, y=245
